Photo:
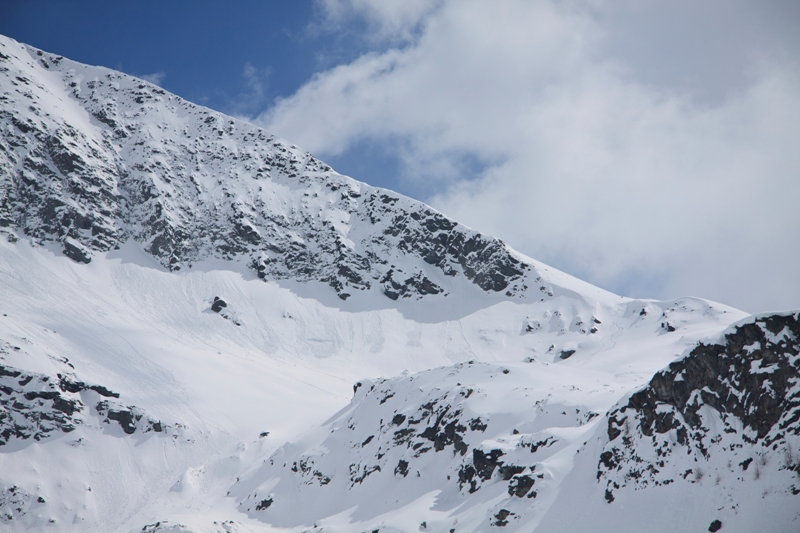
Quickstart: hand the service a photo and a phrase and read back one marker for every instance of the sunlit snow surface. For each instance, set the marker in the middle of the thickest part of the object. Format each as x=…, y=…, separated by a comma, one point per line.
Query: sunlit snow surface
x=311, y=401
x=150, y=335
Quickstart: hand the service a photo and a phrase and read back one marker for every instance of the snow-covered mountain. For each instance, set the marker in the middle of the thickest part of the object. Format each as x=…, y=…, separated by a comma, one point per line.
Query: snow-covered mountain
x=205, y=328
x=93, y=158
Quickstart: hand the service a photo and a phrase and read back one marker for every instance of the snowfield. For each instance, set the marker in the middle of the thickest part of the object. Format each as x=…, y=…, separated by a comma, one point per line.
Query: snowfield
x=205, y=329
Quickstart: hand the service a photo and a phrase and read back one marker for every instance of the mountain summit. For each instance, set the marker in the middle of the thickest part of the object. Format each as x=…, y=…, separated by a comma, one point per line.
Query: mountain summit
x=206, y=329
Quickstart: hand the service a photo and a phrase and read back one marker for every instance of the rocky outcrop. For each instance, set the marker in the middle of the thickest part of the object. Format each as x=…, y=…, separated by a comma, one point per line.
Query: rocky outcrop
x=129, y=418
x=16, y=502
x=35, y=406
x=404, y=437
x=32, y=406
x=723, y=407
x=220, y=306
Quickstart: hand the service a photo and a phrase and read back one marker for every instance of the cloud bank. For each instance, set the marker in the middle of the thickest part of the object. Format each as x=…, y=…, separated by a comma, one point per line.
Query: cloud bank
x=546, y=124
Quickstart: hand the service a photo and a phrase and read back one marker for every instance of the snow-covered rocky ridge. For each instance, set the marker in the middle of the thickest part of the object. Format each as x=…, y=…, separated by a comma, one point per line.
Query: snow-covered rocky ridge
x=92, y=158
x=493, y=442
x=205, y=329
x=737, y=400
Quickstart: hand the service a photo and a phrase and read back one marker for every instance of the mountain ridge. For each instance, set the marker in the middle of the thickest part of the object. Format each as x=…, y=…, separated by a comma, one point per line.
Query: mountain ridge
x=188, y=184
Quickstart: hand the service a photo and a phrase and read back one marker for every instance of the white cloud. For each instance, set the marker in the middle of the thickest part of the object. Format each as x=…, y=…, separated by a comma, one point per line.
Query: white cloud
x=387, y=19
x=155, y=78
x=256, y=83
x=638, y=186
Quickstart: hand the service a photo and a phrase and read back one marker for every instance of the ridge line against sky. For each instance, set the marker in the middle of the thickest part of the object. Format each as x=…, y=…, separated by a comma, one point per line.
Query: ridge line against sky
x=651, y=148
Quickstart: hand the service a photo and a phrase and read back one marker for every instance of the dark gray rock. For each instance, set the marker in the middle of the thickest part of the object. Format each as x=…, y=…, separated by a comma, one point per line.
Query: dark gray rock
x=32, y=406
x=520, y=486
x=401, y=468
x=218, y=304
x=501, y=518
x=264, y=504
x=566, y=354
x=124, y=418
x=747, y=380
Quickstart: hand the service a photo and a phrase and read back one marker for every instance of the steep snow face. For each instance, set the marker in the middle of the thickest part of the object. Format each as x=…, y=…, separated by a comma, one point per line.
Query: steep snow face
x=90, y=158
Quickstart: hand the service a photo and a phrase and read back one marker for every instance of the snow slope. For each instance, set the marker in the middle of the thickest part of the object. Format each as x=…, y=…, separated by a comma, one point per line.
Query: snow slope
x=206, y=329
x=477, y=446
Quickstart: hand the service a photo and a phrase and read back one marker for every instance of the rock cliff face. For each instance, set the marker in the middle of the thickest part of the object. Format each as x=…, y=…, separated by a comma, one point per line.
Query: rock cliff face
x=91, y=158
x=35, y=406
x=728, y=408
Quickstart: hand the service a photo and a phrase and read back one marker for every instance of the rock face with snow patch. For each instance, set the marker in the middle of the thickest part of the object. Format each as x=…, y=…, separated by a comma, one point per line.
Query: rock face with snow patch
x=731, y=407
x=33, y=406
x=90, y=158
x=404, y=437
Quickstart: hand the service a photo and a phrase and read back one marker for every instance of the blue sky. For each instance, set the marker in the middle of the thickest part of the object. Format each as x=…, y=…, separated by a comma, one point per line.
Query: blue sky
x=650, y=147
x=201, y=47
